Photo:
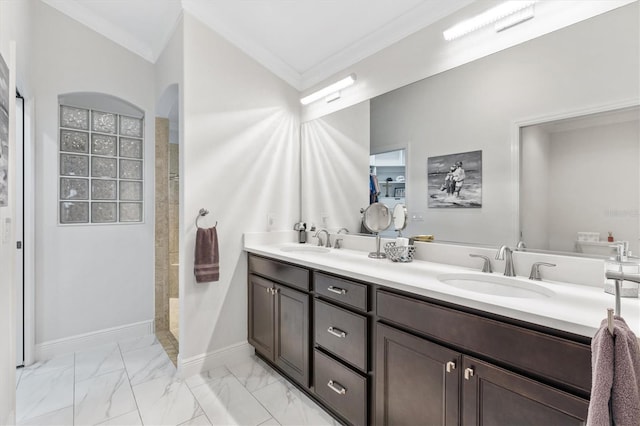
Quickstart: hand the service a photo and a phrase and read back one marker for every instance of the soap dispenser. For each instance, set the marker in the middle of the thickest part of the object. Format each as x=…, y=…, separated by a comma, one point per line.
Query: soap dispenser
x=301, y=227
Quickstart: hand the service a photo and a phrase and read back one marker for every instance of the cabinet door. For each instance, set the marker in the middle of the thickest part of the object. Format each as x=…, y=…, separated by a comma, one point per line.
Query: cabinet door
x=417, y=381
x=493, y=396
x=261, y=315
x=292, y=333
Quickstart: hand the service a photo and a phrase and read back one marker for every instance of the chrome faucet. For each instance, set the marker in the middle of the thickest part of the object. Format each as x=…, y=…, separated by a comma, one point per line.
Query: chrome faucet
x=506, y=254
x=317, y=235
x=338, y=242
x=486, y=267
x=535, y=270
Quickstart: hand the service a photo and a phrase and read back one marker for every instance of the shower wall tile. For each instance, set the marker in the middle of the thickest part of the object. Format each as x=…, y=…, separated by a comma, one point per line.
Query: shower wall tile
x=173, y=281
x=162, y=224
x=174, y=150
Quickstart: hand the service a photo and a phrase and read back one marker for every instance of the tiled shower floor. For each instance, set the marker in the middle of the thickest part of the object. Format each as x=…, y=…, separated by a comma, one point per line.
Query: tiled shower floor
x=134, y=382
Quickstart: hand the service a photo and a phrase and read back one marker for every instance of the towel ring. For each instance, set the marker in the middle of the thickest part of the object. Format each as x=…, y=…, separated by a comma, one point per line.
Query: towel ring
x=202, y=213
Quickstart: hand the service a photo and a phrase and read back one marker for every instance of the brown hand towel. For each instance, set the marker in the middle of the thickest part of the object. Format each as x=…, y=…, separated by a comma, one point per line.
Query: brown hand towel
x=207, y=259
x=615, y=387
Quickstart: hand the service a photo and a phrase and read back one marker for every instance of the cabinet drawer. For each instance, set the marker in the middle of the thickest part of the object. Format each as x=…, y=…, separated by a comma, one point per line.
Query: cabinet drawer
x=281, y=272
x=342, y=389
x=561, y=360
x=342, y=333
x=340, y=290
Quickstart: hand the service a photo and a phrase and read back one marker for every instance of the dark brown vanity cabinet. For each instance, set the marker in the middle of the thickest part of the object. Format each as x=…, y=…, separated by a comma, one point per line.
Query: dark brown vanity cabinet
x=373, y=355
x=419, y=381
x=341, y=355
x=279, y=315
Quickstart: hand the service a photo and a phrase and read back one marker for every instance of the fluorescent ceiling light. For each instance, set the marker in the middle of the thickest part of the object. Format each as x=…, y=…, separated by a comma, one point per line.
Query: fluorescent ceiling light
x=515, y=19
x=333, y=88
x=489, y=17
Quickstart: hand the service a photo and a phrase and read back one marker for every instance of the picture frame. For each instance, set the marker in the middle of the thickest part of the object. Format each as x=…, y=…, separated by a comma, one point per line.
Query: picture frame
x=455, y=180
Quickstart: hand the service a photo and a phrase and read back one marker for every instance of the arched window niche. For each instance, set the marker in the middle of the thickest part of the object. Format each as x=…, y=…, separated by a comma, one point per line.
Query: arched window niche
x=101, y=169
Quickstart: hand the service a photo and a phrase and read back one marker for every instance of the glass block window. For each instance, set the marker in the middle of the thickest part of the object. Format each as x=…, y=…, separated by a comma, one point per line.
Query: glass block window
x=101, y=167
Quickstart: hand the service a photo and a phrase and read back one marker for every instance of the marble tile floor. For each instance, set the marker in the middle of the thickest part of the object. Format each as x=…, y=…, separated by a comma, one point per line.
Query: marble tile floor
x=134, y=382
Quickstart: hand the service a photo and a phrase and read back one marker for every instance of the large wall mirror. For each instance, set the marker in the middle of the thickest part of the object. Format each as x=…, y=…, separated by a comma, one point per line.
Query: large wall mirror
x=486, y=106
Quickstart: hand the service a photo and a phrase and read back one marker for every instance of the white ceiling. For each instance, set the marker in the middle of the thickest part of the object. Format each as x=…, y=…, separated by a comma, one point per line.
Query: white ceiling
x=301, y=41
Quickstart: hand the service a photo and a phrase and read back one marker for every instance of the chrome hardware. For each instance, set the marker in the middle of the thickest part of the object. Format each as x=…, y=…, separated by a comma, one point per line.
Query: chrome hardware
x=487, y=263
x=505, y=253
x=614, y=275
x=468, y=373
x=337, y=243
x=346, y=231
x=337, y=332
x=202, y=213
x=317, y=235
x=271, y=291
x=268, y=290
x=276, y=290
x=451, y=366
x=535, y=270
x=337, y=387
x=521, y=246
x=337, y=290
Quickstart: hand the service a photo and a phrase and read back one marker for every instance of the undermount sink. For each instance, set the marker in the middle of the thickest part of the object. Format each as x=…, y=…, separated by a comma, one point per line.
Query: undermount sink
x=496, y=285
x=305, y=248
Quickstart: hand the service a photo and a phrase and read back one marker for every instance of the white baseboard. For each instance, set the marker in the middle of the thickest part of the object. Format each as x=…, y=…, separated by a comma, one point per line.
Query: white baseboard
x=54, y=348
x=230, y=355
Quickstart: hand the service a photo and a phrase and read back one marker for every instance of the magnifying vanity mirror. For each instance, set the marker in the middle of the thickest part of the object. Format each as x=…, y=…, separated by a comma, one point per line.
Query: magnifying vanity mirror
x=376, y=218
x=399, y=218
x=497, y=105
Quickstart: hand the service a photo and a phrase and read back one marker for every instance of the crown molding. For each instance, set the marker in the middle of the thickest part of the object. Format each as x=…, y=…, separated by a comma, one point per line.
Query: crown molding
x=410, y=22
x=76, y=11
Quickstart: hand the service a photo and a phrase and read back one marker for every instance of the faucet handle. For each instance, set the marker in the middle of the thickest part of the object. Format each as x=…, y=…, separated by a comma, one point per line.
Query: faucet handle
x=486, y=267
x=337, y=243
x=535, y=270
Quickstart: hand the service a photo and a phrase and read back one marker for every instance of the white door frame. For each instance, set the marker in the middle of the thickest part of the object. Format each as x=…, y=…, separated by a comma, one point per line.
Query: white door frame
x=19, y=228
x=28, y=239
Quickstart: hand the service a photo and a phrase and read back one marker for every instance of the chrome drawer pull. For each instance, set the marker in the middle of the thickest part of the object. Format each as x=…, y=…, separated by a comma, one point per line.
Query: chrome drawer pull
x=468, y=373
x=451, y=366
x=337, y=332
x=337, y=290
x=337, y=387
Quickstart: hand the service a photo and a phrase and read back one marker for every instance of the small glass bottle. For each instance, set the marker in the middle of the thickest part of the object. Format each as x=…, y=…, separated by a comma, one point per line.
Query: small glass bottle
x=610, y=237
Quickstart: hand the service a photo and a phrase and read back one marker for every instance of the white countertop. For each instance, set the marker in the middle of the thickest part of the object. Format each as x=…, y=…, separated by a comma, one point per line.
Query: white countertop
x=574, y=308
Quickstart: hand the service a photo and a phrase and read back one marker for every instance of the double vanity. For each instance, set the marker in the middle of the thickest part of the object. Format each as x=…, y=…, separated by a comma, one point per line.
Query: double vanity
x=377, y=342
